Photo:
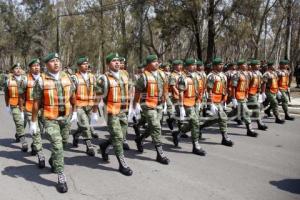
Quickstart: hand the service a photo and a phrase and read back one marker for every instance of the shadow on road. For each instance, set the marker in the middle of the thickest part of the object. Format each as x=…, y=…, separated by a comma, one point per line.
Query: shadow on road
x=289, y=185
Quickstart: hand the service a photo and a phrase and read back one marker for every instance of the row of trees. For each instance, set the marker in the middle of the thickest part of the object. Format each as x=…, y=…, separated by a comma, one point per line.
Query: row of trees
x=233, y=29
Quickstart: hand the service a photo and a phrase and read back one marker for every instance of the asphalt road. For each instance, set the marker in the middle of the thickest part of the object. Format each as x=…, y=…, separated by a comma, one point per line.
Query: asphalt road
x=267, y=167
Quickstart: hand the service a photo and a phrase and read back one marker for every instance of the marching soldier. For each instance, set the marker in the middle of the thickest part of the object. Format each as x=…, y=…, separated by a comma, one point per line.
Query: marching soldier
x=240, y=84
x=254, y=94
x=84, y=82
x=114, y=89
x=270, y=89
x=188, y=96
x=283, y=85
x=216, y=89
x=13, y=105
x=54, y=94
x=151, y=91
x=27, y=97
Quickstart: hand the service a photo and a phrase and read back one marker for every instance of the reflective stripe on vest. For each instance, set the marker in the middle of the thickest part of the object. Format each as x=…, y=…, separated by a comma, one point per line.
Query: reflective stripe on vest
x=217, y=91
x=283, y=82
x=274, y=84
x=152, y=91
x=254, y=84
x=50, y=95
x=113, y=100
x=200, y=86
x=175, y=96
x=29, y=91
x=13, y=92
x=85, y=96
x=241, y=88
x=189, y=96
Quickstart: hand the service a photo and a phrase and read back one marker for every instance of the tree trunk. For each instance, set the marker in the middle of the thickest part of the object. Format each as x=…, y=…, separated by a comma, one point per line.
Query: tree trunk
x=211, y=30
x=287, y=53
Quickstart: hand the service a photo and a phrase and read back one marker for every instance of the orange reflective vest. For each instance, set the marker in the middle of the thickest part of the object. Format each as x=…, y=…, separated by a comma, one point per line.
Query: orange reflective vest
x=254, y=84
x=13, y=92
x=274, y=84
x=151, y=99
x=189, y=95
x=85, y=95
x=283, y=82
x=114, y=99
x=217, y=91
x=125, y=79
x=200, y=87
x=29, y=91
x=50, y=96
x=241, y=89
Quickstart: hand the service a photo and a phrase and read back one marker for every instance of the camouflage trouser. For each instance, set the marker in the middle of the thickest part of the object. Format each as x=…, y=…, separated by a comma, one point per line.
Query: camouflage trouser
x=220, y=118
x=241, y=112
x=36, y=138
x=116, y=125
x=199, y=111
x=84, y=127
x=254, y=106
x=271, y=98
x=153, y=117
x=284, y=101
x=169, y=107
x=124, y=120
x=58, y=133
x=193, y=124
x=19, y=122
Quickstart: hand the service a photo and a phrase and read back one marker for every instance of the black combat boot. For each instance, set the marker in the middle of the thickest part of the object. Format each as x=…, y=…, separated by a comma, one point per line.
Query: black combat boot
x=278, y=120
x=62, y=186
x=288, y=117
x=24, y=144
x=176, y=136
x=268, y=112
x=170, y=122
x=250, y=131
x=89, y=148
x=123, y=167
x=41, y=159
x=197, y=149
x=261, y=126
x=126, y=146
x=17, y=138
x=75, y=140
x=139, y=143
x=226, y=141
x=104, y=148
x=33, y=150
x=94, y=135
x=161, y=157
x=238, y=121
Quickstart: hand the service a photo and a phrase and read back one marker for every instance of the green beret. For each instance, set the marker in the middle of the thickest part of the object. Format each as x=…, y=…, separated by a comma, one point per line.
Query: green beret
x=112, y=56
x=82, y=60
x=16, y=65
x=199, y=63
x=122, y=59
x=165, y=65
x=270, y=63
x=254, y=62
x=241, y=62
x=190, y=61
x=284, y=62
x=151, y=58
x=217, y=61
x=50, y=56
x=177, y=62
x=33, y=61
x=141, y=66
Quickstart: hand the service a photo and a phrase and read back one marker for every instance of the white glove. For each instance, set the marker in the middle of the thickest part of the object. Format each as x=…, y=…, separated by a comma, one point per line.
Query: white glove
x=225, y=106
x=33, y=127
x=182, y=113
x=213, y=109
x=94, y=118
x=199, y=106
x=138, y=109
x=279, y=94
x=289, y=90
x=264, y=96
x=74, y=117
x=7, y=109
x=22, y=116
x=260, y=98
x=234, y=103
x=165, y=108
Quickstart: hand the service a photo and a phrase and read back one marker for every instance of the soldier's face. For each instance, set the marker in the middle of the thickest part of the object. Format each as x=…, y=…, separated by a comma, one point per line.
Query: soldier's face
x=114, y=65
x=191, y=68
x=35, y=68
x=154, y=65
x=122, y=65
x=177, y=68
x=53, y=65
x=218, y=67
x=84, y=67
x=17, y=71
x=200, y=68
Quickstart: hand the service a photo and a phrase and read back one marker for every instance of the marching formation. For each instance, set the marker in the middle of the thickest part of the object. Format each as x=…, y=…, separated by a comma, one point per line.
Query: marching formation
x=190, y=95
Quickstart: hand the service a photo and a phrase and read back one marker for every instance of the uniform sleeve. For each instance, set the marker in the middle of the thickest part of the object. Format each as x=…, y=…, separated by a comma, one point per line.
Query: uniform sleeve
x=235, y=80
x=172, y=80
x=37, y=90
x=265, y=77
x=23, y=86
x=210, y=81
x=140, y=83
x=181, y=83
x=102, y=85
